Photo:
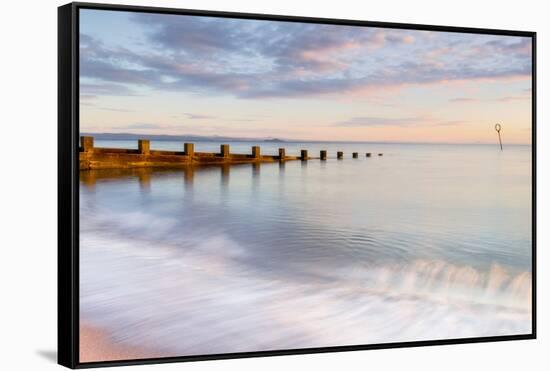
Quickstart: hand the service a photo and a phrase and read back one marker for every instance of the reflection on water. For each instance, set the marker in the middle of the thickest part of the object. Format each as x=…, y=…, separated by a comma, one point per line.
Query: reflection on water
x=309, y=254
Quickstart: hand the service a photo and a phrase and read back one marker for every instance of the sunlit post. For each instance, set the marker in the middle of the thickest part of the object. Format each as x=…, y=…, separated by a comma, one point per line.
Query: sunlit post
x=189, y=149
x=282, y=153
x=144, y=146
x=256, y=151
x=87, y=144
x=224, y=150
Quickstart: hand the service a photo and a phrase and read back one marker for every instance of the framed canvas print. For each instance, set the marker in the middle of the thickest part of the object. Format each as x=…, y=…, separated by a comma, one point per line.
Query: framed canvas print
x=236, y=185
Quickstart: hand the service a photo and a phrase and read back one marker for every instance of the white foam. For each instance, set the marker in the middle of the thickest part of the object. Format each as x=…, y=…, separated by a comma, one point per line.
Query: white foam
x=203, y=298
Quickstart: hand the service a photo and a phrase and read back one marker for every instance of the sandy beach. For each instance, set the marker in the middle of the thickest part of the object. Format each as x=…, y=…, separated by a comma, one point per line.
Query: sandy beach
x=96, y=346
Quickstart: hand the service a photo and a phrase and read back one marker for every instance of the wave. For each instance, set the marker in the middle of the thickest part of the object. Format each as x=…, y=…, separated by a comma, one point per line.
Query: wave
x=199, y=294
x=444, y=281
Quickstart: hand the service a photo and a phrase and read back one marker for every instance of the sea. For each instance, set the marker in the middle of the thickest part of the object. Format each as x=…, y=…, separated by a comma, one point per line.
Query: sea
x=426, y=242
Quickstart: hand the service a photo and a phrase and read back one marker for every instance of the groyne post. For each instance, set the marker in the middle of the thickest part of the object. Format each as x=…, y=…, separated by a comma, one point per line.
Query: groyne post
x=256, y=151
x=355, y=155
x=87, y=144
x=189, y=149
x=323, y=155
x=282, y=153
x=144, y=146
x=224, y=150
x=368, y=154
x=340, y=155
x=303, y=155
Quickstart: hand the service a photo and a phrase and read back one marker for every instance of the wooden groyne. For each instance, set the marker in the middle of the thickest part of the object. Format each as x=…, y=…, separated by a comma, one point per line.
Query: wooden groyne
x=92, y=157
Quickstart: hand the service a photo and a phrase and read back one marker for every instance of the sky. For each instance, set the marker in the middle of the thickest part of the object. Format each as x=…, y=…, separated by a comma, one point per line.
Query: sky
x=151, y=73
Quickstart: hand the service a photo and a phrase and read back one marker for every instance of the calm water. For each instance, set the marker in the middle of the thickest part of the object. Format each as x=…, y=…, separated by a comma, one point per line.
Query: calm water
x=426, y=242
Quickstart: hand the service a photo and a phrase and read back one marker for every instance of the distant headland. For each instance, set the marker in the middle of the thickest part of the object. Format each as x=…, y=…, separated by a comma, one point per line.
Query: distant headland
x=184, y=137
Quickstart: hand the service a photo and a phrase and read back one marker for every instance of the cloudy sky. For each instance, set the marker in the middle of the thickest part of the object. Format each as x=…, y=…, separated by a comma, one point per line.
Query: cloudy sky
x=168, y=74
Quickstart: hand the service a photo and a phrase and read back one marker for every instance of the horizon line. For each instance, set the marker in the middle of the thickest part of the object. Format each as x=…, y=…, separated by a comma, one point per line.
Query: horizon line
x=286, y=140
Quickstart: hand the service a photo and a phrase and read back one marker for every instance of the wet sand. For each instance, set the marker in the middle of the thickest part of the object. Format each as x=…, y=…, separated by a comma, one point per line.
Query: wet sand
x=96, y=346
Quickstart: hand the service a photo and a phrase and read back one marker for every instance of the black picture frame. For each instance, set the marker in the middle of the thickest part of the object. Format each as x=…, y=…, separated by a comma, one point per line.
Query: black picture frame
x=68, y=183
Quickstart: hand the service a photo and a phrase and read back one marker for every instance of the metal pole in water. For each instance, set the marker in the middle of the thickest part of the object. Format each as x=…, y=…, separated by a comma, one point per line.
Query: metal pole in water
x=498, y=128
